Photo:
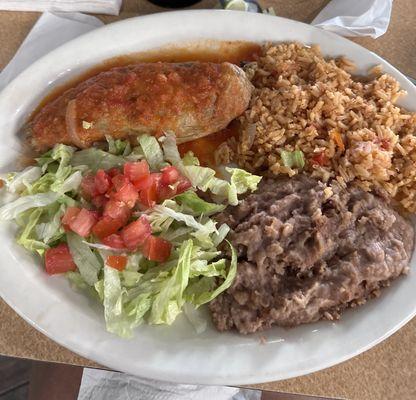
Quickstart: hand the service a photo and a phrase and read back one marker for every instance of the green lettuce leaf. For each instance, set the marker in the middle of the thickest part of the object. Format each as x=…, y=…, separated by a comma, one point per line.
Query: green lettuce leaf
x=28, y=238
x=52, y=229
x=152, y=152
x=196, y=205
x=203, y=290
x=87, y=262
x=96, y=159
x=117, y=321
x=11, y=210
x=118, y=147
x=169, y=301
x=243, y=180
x=17, y=182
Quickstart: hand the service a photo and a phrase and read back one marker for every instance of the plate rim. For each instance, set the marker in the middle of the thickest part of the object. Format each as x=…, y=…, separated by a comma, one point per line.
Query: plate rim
x=101, y=359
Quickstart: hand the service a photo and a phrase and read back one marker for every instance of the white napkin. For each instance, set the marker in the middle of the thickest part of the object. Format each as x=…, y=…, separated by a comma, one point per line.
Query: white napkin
x=107, y=385
x=355, y=17
x=91, y=6
x=49, y=32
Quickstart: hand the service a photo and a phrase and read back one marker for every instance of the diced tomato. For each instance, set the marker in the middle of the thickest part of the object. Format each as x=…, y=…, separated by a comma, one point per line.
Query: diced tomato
x=156, y=249
x=115, y=241
x=179, y=184
x=97, y=214
x=165, y=192
x=169, y=175
x=70, y=214
x=183, y=185
x=83, y=222
x=117, y=210
x=320, y=159
x=119, y=181
x=136, y=170
x=148, y=196
x=143, y=183
x=117, y=262
x=106, y=226
x=135, y=233
x=102, y=181
x=59, y=260
x=126, y=194
x=99, y=201
x=88, y=189
x=112, y=172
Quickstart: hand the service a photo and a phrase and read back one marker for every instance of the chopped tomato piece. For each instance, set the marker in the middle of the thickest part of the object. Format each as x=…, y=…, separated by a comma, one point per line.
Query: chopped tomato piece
x=126, y=194
x=148, y=196
x=117, y=210
x=83, y=222
x=166, y=192
x=183, y=185
x=59, y=260
x=88, y=189
x=135, y=233
x=136, y=170
x=143, y=183
x=156, y=249
x=119, y=181
x=115, y=241
x=70, y=214
x=102, y=181
x=117, y=262
x=99, y=201
x=106, y=226
x=169, y=175
x=112, y=172
x=320, y=159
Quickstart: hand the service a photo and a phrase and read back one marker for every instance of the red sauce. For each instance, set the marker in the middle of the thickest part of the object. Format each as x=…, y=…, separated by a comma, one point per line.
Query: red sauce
x=204, y=148
x=208, y=51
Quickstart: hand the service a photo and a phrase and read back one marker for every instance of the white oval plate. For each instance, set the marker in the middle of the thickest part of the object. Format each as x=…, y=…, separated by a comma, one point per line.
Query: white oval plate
x=176, y=353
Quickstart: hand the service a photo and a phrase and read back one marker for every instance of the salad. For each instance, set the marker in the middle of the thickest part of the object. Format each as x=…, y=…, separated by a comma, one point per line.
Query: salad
x=131, y=226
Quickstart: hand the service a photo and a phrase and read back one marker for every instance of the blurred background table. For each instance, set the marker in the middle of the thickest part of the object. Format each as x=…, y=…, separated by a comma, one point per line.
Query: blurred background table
x=388, y=371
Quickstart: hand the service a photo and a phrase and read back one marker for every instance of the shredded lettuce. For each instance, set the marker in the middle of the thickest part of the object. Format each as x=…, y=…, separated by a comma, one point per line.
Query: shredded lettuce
x=118, y=147
x=27, y=237
x=145, y=291
x=243, y=180
x=60, y=154
x=294, y=159
x=221, y=235
x=204, y=179
x=170, y=150
x=100, y=246
x=201, y=291
x=117, y=321
x=193, y=203
x=189, y=220
x=51, y=230
x=96, y=159
x=169, y=301
x=69, y=184
x=152, y=152
x=11, y=210
x=84, y=258
x=19, y=181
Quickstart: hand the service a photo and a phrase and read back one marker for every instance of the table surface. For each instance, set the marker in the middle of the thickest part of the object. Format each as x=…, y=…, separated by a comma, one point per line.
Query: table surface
x=388, y=371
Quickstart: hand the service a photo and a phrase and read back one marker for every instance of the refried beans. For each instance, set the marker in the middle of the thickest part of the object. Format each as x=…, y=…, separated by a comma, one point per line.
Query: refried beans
x=307, y=251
